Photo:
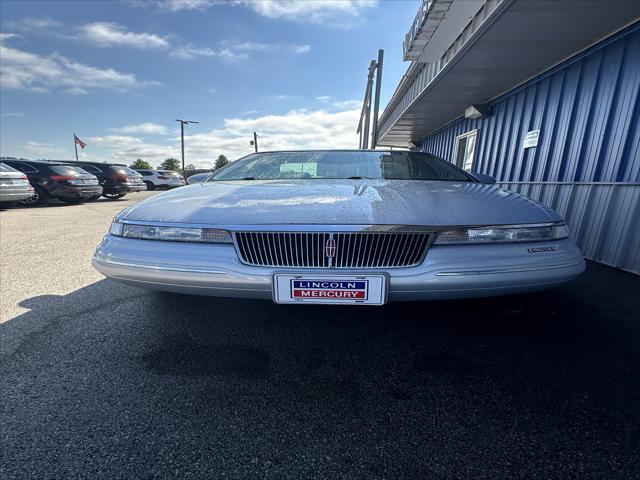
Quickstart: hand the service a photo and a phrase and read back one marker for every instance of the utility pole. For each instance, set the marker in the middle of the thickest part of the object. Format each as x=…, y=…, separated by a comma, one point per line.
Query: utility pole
x=375, y=67
x=376, y=103
x=182, y=124
x=254, y=142
x=367, y=112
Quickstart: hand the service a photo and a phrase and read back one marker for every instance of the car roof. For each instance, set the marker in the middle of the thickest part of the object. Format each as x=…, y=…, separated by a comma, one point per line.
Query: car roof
x=98, y=163
x=40, y=162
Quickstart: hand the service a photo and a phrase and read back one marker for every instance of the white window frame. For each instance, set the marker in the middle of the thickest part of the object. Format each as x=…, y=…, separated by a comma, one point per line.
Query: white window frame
x=470, y=133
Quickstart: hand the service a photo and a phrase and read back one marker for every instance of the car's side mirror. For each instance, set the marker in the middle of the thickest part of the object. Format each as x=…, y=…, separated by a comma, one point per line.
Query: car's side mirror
x=197, y=178
x=484, y=178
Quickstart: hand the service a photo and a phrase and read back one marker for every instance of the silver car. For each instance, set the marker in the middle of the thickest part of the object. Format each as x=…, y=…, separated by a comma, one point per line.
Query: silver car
x=344, y=227
x=14, y=185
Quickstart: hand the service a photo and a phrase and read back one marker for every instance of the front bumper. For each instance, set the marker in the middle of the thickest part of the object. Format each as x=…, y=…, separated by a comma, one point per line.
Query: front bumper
x=460, y=271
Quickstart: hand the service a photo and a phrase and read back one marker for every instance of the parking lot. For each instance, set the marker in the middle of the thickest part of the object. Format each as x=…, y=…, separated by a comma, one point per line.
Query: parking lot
x=102, y=380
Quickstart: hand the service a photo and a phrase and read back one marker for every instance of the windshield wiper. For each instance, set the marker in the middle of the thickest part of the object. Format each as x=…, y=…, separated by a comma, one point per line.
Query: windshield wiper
x=358, y=178
x=249, y=178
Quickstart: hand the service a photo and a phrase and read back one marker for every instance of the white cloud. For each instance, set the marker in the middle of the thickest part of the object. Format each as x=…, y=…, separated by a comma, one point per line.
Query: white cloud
x=42, y=149
x=147, y=128
x=177, y=5
x=332, y=12
x=106, y=34
x=297, y=129
x=235, y=51
x=13, y=115
x=301, y=48
x=323, y=98
x=189, y=52
x=28, y=71
x=76, y=91
x=7, y=36
x=348, y=104
x=248, y=46
x=125, y=149
x=284, y=98
x=33, y=24
x=311, y=11
x=261, y=47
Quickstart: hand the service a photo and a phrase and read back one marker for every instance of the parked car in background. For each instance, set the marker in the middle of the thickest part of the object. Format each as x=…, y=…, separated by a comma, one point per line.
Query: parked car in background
x=54, y=180
x=198, y=177
x=14, y=185
x=116, y=180
x=355, y=226
x=161, y=179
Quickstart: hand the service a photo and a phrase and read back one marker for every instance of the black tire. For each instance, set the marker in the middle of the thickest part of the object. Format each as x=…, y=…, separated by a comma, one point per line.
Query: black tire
x=150, y=185
x=94, y=198
x=40, y=197
x=113, y=196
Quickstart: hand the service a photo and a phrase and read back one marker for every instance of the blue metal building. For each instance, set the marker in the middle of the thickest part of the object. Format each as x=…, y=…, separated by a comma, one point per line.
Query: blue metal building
x=543, y=96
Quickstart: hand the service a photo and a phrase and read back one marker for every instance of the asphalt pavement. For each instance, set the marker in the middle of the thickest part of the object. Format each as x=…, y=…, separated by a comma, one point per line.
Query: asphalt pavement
x=102, y=380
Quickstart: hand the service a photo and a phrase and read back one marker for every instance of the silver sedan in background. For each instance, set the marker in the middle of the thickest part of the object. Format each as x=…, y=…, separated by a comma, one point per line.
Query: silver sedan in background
x=340, y=227
x=14, y=185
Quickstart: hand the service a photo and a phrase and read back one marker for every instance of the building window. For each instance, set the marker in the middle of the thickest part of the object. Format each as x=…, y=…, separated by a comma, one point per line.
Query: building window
x=465, y=150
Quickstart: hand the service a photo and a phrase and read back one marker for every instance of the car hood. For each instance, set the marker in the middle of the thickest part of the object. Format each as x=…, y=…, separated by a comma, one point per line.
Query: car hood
x=337, y=202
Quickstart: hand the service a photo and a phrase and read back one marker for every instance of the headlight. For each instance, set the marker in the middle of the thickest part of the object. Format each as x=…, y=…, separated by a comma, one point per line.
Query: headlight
x=116, y=227
x=503, y=234
x=170, y=234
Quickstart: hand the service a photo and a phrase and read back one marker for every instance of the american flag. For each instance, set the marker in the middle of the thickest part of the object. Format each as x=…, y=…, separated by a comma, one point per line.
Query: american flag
x=79, y=142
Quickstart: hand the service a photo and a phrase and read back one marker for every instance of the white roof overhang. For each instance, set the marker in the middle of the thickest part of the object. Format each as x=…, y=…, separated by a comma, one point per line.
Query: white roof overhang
x=519, y=41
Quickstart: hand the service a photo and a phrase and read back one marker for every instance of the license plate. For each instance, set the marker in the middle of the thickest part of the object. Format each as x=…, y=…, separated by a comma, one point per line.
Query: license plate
x=331, y=289
x=6, y=181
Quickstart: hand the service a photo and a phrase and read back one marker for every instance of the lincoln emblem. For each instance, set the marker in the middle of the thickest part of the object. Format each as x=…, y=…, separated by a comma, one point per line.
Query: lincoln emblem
x=330, y=248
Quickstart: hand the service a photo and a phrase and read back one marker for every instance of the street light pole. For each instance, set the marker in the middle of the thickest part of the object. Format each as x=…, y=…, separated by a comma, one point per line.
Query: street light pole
x=254, y=142
x=376, y=102
x=182, y=124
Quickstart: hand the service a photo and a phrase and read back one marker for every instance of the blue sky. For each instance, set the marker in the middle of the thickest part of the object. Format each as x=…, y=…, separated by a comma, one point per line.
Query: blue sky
x=119, y=73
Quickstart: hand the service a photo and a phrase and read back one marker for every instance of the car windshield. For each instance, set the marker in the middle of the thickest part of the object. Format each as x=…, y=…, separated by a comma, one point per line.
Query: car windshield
x=68, y=170
x=399, y=165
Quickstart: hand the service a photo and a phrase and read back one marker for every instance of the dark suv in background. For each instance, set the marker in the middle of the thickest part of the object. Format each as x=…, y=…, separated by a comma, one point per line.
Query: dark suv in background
x=116, y=180
x=70, y=184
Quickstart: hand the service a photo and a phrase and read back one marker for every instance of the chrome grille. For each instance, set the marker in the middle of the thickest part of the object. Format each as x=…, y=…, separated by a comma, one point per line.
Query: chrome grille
x=352, y=249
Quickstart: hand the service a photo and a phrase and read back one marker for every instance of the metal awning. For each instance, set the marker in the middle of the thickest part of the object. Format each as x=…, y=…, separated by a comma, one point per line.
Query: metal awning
x=519, y=41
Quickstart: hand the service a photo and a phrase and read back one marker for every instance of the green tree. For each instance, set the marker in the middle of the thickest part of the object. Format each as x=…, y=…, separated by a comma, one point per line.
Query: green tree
x=140, y=164
x=221, y=162
x=170, y=164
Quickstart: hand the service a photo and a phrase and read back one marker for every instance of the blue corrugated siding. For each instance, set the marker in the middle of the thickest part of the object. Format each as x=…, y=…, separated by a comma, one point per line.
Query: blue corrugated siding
x=587, y=162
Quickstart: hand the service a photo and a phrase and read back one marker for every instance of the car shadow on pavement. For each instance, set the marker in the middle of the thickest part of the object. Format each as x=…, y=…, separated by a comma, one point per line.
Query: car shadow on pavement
x=547, y=382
